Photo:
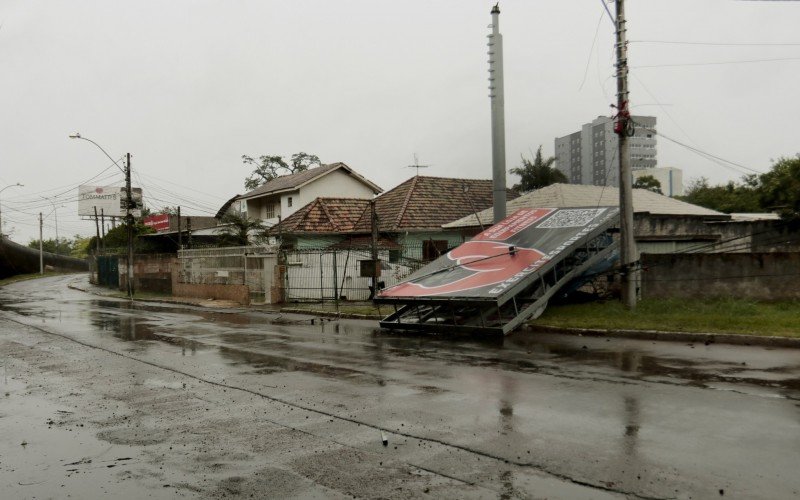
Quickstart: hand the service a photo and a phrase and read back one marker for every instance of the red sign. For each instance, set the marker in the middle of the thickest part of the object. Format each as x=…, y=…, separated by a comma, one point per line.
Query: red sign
x=157, y=222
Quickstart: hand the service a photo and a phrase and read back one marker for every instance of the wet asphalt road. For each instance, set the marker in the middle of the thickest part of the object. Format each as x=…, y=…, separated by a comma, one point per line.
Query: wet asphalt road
x=103, y=396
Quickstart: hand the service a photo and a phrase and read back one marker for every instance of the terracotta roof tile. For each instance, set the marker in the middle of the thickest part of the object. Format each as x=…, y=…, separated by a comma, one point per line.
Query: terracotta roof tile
x=324, y=215
x=426, y=203
x=418, y=204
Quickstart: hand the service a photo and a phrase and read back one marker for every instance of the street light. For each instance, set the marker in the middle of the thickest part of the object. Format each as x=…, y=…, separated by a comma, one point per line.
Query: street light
x=128, y=205
x=1, y=206
x=55, y=212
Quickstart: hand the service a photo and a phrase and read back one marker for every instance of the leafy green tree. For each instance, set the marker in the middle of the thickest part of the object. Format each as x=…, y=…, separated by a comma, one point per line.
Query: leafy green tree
x=237, y=228
x=81, y=246
x=731, y=197
x=269, y=167
x=116, y=239
x=61, y=246
x=537, y=173
x=649, y=183
x=779, y=189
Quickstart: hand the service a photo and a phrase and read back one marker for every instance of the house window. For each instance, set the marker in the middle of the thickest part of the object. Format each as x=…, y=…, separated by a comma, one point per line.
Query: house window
x=289, y=201
x=432, y=249
x=269, y=210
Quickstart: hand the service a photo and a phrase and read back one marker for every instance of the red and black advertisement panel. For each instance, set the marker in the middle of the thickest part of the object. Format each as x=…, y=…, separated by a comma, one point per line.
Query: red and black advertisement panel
x=504, y=254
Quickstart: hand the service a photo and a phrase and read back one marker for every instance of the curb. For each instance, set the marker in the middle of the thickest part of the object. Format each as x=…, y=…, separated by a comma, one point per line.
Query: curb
x=690, y=337
x=706, y=338
x=329, y=314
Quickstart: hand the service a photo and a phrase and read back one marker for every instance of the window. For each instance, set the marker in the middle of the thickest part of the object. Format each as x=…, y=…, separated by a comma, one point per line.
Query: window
x=432, y=249
x=269, y=210
x=289, y=201
x=394, y=256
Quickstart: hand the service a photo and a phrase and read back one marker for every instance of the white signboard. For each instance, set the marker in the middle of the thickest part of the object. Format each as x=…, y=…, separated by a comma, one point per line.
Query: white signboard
x=108, y=200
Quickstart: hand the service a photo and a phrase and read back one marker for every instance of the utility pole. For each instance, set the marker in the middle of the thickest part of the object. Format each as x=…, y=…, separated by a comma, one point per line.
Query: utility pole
x=41, y=248
x=623, y=127
x=497, y=97
x=97, y=228
x=180, y=236
x=103, y=228
x=374, y=248
x=129, y=219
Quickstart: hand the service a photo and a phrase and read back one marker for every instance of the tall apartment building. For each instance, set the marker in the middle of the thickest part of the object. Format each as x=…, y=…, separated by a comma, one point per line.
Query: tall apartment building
x=590, y=155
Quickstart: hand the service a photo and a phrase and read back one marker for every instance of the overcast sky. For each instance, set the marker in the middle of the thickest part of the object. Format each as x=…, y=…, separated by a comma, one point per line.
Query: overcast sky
x=187, y=87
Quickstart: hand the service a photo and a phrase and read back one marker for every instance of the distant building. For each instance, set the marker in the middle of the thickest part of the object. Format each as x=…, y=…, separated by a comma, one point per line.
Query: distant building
x=671, y=179
x=590, y=155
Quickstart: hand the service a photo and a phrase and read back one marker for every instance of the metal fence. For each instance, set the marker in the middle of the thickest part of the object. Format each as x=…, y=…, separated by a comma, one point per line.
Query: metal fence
x=252, y=266
x=320, y=275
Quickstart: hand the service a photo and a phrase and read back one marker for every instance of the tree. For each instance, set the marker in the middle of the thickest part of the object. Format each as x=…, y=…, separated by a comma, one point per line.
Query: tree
x=237, y=228
x=779, y=188
x=269, y=167
x=731, y=197
x=649, y=183
x=537, y=173
x=62, y=246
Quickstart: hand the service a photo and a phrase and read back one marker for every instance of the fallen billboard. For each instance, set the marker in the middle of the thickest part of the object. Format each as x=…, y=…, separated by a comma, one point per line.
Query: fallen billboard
x=515, y=265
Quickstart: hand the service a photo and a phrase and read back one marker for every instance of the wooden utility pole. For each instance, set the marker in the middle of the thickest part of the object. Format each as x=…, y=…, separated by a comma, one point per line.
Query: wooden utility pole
x=623, y=127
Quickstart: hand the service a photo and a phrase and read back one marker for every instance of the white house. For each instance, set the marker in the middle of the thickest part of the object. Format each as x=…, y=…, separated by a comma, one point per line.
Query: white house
x=281, y=197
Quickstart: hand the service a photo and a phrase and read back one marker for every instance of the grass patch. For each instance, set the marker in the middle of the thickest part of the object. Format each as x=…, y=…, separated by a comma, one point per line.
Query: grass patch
x=681, y=315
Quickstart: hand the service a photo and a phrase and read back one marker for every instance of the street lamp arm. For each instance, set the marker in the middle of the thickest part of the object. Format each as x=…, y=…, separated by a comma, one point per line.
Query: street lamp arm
x=77, y=135
x=11, y=186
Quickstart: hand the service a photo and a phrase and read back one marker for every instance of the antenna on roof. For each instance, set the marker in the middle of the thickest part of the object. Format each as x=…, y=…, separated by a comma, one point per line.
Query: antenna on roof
x=417, y=165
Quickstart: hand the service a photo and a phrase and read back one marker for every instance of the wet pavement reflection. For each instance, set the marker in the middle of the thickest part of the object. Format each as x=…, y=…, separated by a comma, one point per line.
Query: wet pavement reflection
x=506, y=396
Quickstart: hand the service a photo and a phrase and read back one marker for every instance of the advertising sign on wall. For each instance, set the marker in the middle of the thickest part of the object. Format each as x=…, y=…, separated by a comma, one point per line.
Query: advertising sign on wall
x=108, y=200
x=158, y=222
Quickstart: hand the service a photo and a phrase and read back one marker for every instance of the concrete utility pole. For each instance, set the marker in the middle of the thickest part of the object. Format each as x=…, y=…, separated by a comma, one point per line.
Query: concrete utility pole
x=41, y=247
x=623, y=127
x=129, y=220
x=497, y=97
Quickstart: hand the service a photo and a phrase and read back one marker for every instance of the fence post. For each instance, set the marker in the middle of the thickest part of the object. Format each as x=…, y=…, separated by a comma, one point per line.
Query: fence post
x=335, y=283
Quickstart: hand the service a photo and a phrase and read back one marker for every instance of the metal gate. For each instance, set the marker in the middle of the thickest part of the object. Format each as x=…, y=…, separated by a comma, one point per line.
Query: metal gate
x=108, y=270
x=312, y=275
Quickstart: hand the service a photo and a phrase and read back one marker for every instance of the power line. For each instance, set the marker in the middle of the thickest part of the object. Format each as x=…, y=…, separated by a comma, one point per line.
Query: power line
x=716, y=63
x=718, y=44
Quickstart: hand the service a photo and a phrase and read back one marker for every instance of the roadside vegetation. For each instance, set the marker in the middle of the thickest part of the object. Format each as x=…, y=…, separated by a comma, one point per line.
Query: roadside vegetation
x=681, y=315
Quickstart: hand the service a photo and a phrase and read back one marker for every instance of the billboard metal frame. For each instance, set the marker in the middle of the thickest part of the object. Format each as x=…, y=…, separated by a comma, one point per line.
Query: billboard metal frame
x=525, y=300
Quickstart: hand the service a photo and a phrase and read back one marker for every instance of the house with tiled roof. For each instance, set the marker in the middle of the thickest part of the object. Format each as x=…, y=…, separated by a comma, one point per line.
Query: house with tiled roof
x=283, y=196
x=330, y=237
x=410, y=216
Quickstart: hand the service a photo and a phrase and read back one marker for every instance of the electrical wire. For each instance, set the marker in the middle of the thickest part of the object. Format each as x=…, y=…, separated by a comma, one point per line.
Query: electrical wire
x=718, y=44
x=715, y=63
